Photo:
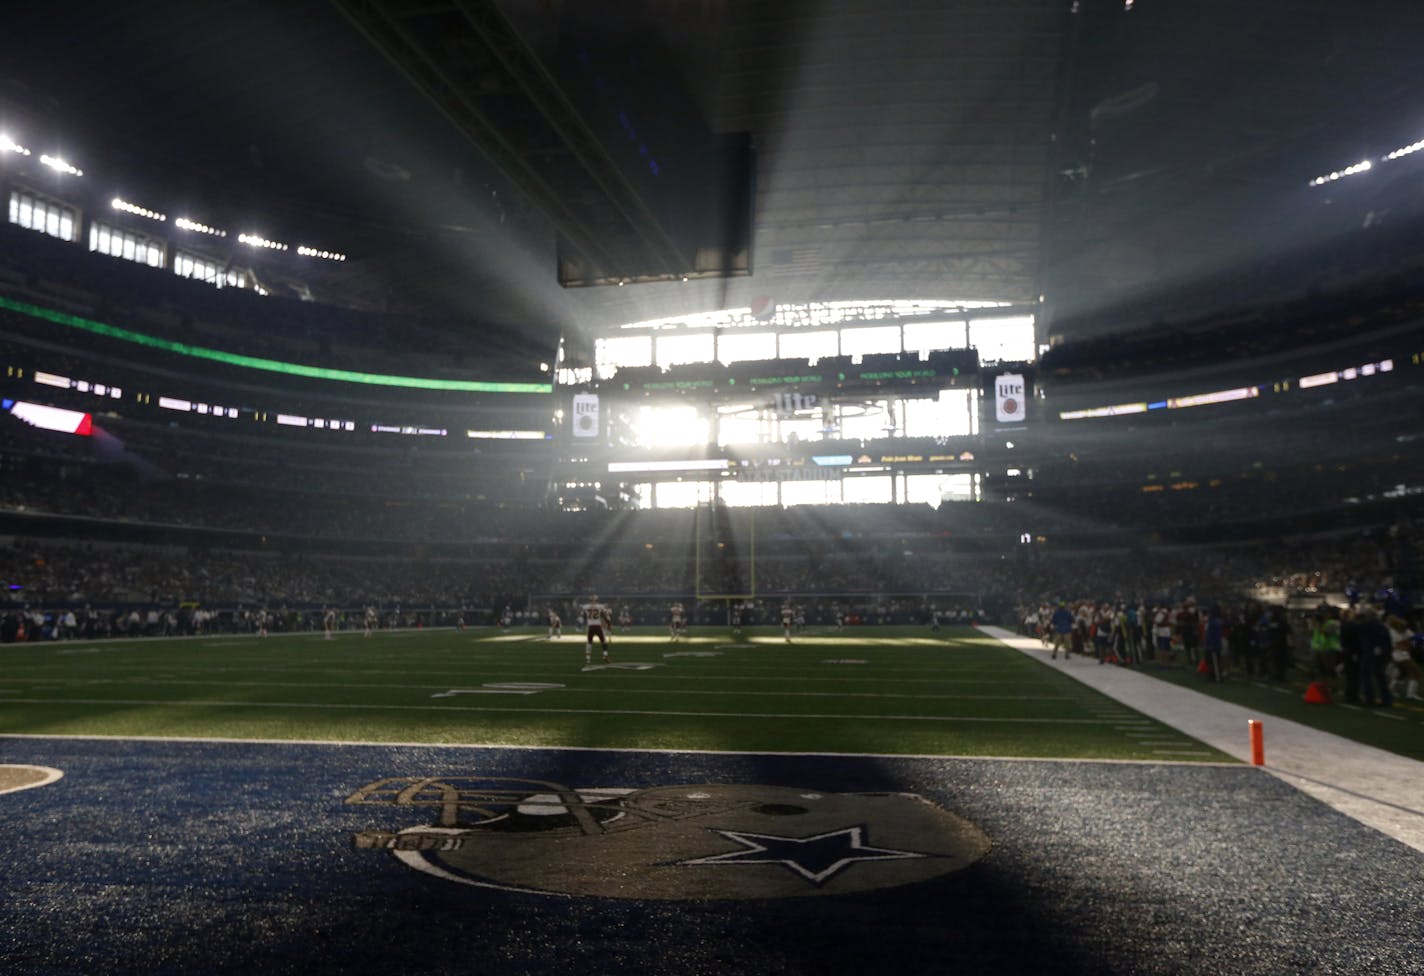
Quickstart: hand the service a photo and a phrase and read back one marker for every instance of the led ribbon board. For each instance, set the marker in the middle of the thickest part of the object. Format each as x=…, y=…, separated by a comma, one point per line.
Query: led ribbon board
x=270, y=365
x=1171, y=403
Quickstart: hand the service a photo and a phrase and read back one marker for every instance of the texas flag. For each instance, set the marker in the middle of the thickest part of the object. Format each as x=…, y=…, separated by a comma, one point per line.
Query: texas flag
x=51, y=418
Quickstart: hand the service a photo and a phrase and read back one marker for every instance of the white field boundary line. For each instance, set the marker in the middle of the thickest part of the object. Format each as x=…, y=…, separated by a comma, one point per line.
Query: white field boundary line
x=618, y=750
x=465, y=675
x=704, y=670
x=767, y=634
x=536, y=710
x=1379, y=789
x=223, y=639
x=150, y=682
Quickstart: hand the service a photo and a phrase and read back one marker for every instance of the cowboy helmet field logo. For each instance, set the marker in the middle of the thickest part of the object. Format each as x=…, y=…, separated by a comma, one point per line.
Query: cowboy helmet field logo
x=697, y=842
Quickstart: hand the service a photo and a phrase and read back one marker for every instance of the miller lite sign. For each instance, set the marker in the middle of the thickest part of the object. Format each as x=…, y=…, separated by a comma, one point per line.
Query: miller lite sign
x=585, y=415
x=790, y=404
x=1009, y=398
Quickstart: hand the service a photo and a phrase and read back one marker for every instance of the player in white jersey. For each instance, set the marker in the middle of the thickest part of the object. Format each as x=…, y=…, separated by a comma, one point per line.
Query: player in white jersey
x=556, y=625
x=328, y=623
x=370, y=621
x=598, y=620
x=262, y=623
x=788, y=619
x=676, y=623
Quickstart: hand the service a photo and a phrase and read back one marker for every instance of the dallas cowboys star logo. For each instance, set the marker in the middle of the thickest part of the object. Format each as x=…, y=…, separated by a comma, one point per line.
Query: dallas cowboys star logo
x=816, y=859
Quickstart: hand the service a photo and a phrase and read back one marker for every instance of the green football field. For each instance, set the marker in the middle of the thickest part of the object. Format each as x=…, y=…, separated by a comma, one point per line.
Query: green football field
x=885, y=691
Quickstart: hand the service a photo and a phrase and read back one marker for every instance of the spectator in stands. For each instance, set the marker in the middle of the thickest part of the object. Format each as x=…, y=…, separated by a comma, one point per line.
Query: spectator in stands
x=1104, y=619
x=1062, y=624
x=1212, y=642
x=1402, y=669
x=1162, y=634
x=1375, y=647
x=1189, y=626
x=1348, y=666
x=1324, y=646
x=1279, y=651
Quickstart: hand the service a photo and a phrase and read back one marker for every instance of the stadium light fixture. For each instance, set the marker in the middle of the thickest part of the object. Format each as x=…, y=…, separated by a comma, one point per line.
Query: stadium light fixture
x=1362, y=166
x=132, y=208
x=10, y=145
x=61, y=165
x=183, y=223
x=312, y=252
x=1402, y=151
x=257, y=240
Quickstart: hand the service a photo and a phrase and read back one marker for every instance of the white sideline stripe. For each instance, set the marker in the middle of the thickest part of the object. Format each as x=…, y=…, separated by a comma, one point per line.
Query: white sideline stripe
x=540, y=711
x=1378, y=788
x=499, y=746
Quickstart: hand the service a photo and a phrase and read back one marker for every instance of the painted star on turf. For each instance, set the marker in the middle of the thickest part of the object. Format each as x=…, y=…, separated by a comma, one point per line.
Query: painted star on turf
x=816, y=858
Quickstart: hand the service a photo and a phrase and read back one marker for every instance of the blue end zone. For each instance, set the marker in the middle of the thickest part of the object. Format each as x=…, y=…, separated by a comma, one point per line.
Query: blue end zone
x=175, y=856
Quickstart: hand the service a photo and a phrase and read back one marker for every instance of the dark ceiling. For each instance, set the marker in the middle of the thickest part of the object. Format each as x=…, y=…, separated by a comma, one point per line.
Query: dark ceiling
x=950, y=149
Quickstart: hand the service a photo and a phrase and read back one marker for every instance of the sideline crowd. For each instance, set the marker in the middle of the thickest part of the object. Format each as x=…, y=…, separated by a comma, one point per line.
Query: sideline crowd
x=1366, y=651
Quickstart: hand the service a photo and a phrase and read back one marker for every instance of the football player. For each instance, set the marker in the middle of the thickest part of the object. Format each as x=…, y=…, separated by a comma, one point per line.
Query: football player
x=598, y=620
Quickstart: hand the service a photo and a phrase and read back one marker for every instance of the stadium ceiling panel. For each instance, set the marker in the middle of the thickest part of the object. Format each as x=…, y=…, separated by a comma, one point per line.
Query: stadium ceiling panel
x=964, y=149
x=901, y=147
x=469, y=59
x=906, y=142
x=1192, y=133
